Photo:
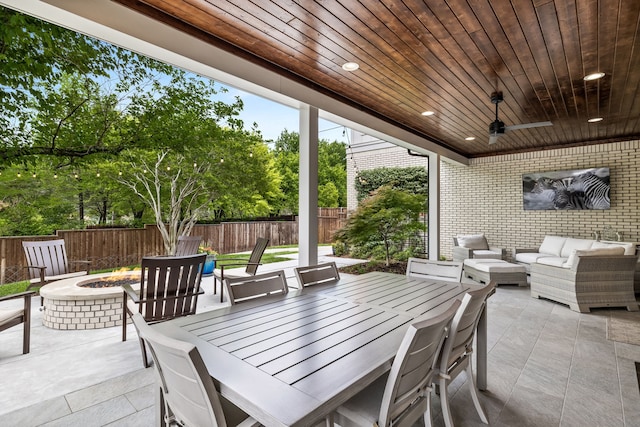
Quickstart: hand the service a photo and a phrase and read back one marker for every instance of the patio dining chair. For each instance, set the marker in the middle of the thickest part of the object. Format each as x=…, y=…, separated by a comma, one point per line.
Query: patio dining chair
x=251, y=265
x=450, y=271
x=246, y=288
x=188, y=245
x=404, y=396
x=169, y=288
x=317, y=274
x=47, y=262
x=458, y=349
x=13, y=317
x=187, y=393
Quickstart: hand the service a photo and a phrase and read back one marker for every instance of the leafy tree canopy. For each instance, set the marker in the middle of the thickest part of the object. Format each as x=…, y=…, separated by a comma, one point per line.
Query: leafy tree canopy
x=413, y=179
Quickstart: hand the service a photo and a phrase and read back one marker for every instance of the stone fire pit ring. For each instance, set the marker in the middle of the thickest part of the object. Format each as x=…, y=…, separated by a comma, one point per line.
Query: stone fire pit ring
x=69, y=306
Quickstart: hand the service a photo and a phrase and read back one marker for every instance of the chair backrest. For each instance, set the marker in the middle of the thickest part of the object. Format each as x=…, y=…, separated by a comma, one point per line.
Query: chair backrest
x=256, y=255
x=450, y=271
x=188, y=245
x=317, y=274
x=189, y=393
x=169, y=286
x=405, y=396
x=245, y=288
x=46, y=253
x=459, y=342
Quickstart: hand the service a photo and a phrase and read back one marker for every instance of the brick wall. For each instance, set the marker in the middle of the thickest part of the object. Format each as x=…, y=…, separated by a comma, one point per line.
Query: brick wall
x=486, y=196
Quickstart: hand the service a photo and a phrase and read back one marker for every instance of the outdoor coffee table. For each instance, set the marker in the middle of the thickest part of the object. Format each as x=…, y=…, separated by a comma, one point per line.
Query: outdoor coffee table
x=502, y=272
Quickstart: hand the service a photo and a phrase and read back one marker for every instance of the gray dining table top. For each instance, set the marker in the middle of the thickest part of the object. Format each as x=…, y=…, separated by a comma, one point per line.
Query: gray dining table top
x=290, y=360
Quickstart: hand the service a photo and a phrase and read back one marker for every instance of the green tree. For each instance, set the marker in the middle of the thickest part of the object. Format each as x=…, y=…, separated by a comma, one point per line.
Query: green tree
x=414, y=179
x=386, y=219
x=332, y=173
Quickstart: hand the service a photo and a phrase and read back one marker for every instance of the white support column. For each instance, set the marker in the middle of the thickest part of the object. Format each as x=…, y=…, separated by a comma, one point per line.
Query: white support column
x=434, y=206
x=308, y=187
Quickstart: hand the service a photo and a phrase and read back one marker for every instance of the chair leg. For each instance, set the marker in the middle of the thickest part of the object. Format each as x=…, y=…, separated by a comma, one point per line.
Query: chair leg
x=26, y=333
x=444, y=402
x=474, y=394
x=143, y=348
x=428, y=418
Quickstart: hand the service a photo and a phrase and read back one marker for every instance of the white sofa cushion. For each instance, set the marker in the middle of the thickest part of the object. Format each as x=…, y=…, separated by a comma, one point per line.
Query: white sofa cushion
x=473, y=241
x=611, y=250
x=552, y=245
x=572, y=244
x=554, y=261
x=528, y=257
x=629, y=248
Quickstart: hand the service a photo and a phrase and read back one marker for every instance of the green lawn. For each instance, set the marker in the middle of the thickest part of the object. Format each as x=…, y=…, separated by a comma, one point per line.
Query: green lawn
x=17, y=287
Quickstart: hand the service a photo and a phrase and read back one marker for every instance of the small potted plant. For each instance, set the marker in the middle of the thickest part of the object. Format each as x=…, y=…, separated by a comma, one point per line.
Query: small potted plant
x=210, y=263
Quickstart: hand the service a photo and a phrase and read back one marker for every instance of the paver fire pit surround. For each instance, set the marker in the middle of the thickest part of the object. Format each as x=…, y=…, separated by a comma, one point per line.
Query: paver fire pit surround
x=70, y=306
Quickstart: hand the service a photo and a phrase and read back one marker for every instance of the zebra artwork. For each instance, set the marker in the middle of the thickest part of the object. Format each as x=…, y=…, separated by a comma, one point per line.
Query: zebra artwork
x=595, y=189
x=567, y=190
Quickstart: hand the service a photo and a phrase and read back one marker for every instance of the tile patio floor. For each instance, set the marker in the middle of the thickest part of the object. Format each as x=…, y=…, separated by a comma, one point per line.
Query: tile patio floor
x=548, y=366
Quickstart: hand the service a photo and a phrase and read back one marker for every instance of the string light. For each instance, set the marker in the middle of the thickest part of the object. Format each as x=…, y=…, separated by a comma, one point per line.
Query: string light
x=98, y=175
x=19, y=174
x=221, y=159
x=55, y=175
x=33, y=175
x=120, y=173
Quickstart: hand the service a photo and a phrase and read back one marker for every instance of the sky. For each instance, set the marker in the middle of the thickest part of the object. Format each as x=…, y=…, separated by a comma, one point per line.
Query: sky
x=273, y=118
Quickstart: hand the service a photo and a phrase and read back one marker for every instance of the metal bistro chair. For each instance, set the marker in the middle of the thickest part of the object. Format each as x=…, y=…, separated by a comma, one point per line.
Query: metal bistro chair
x=451, y=271
x=47, y=262
x=251, y=269
x=12, y=317
x=188, y=245
x=458, y=350
x=404, y=396
x=246, y=288
x=169, y=288
x=317, y=274
x=187, y=395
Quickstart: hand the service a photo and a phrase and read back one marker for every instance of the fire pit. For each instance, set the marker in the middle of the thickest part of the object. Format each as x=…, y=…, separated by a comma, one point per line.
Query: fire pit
x=86, y=302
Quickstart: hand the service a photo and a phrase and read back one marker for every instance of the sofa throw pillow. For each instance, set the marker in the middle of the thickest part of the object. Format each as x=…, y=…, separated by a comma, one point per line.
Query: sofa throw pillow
x=613, y=250
x=552, y=245
x=629, y=248
x=473, y=241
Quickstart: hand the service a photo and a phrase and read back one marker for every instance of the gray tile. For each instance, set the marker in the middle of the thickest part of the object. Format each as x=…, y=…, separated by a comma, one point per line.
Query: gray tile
x=142, y=397
x=531, y=408
x=591, y=406
x=37, y=414
x=144, y=418
x=109, y=389
x=97, y=415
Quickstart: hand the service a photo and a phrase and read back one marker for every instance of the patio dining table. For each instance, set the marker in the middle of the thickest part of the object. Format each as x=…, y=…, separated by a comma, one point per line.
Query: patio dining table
x=291, y=360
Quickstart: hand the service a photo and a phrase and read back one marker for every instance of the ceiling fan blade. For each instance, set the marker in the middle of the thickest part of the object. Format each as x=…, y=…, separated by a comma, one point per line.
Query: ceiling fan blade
x=527, y=126
x=493, y=139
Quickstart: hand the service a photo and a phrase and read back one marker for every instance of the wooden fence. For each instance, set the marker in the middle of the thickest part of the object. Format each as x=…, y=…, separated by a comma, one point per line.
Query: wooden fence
x=117, y=247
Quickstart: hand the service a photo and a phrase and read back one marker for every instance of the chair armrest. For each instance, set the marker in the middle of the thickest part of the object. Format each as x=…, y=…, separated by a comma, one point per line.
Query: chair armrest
x=26, y=294
x=86, y=263
x=40, y=273
x=234, y=265
x=525, y=250
x=129, y=292
x=503, y=251
x=460, y=253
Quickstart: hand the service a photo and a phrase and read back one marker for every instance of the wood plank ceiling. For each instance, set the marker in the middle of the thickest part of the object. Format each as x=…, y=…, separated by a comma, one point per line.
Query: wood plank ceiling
x=446, y=57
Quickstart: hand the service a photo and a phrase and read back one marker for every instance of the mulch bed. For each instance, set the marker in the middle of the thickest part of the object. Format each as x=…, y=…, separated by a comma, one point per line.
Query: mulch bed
x=398, y=267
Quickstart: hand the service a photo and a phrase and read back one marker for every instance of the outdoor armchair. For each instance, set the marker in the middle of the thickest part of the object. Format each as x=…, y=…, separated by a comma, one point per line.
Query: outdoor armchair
x=188, y=245
x=251, y=265
x=47, y=262
x=419, y=268
x=259, y=285
x=317, y=274
x=467, y=246
x=169, y=288
x=12, y=317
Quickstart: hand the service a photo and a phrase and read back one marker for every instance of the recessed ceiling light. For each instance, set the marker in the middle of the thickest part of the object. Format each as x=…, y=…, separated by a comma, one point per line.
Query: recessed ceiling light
x=593, y=76
x=350, y=66
x=595, y=119
x=428, y=113
x=470, y=138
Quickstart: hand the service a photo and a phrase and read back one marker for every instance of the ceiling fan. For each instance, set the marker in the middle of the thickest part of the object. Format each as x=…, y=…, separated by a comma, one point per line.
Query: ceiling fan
x=497, y=127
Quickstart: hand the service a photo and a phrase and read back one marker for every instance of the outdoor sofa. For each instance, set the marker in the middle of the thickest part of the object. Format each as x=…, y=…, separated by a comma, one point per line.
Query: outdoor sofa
x=582, y=273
